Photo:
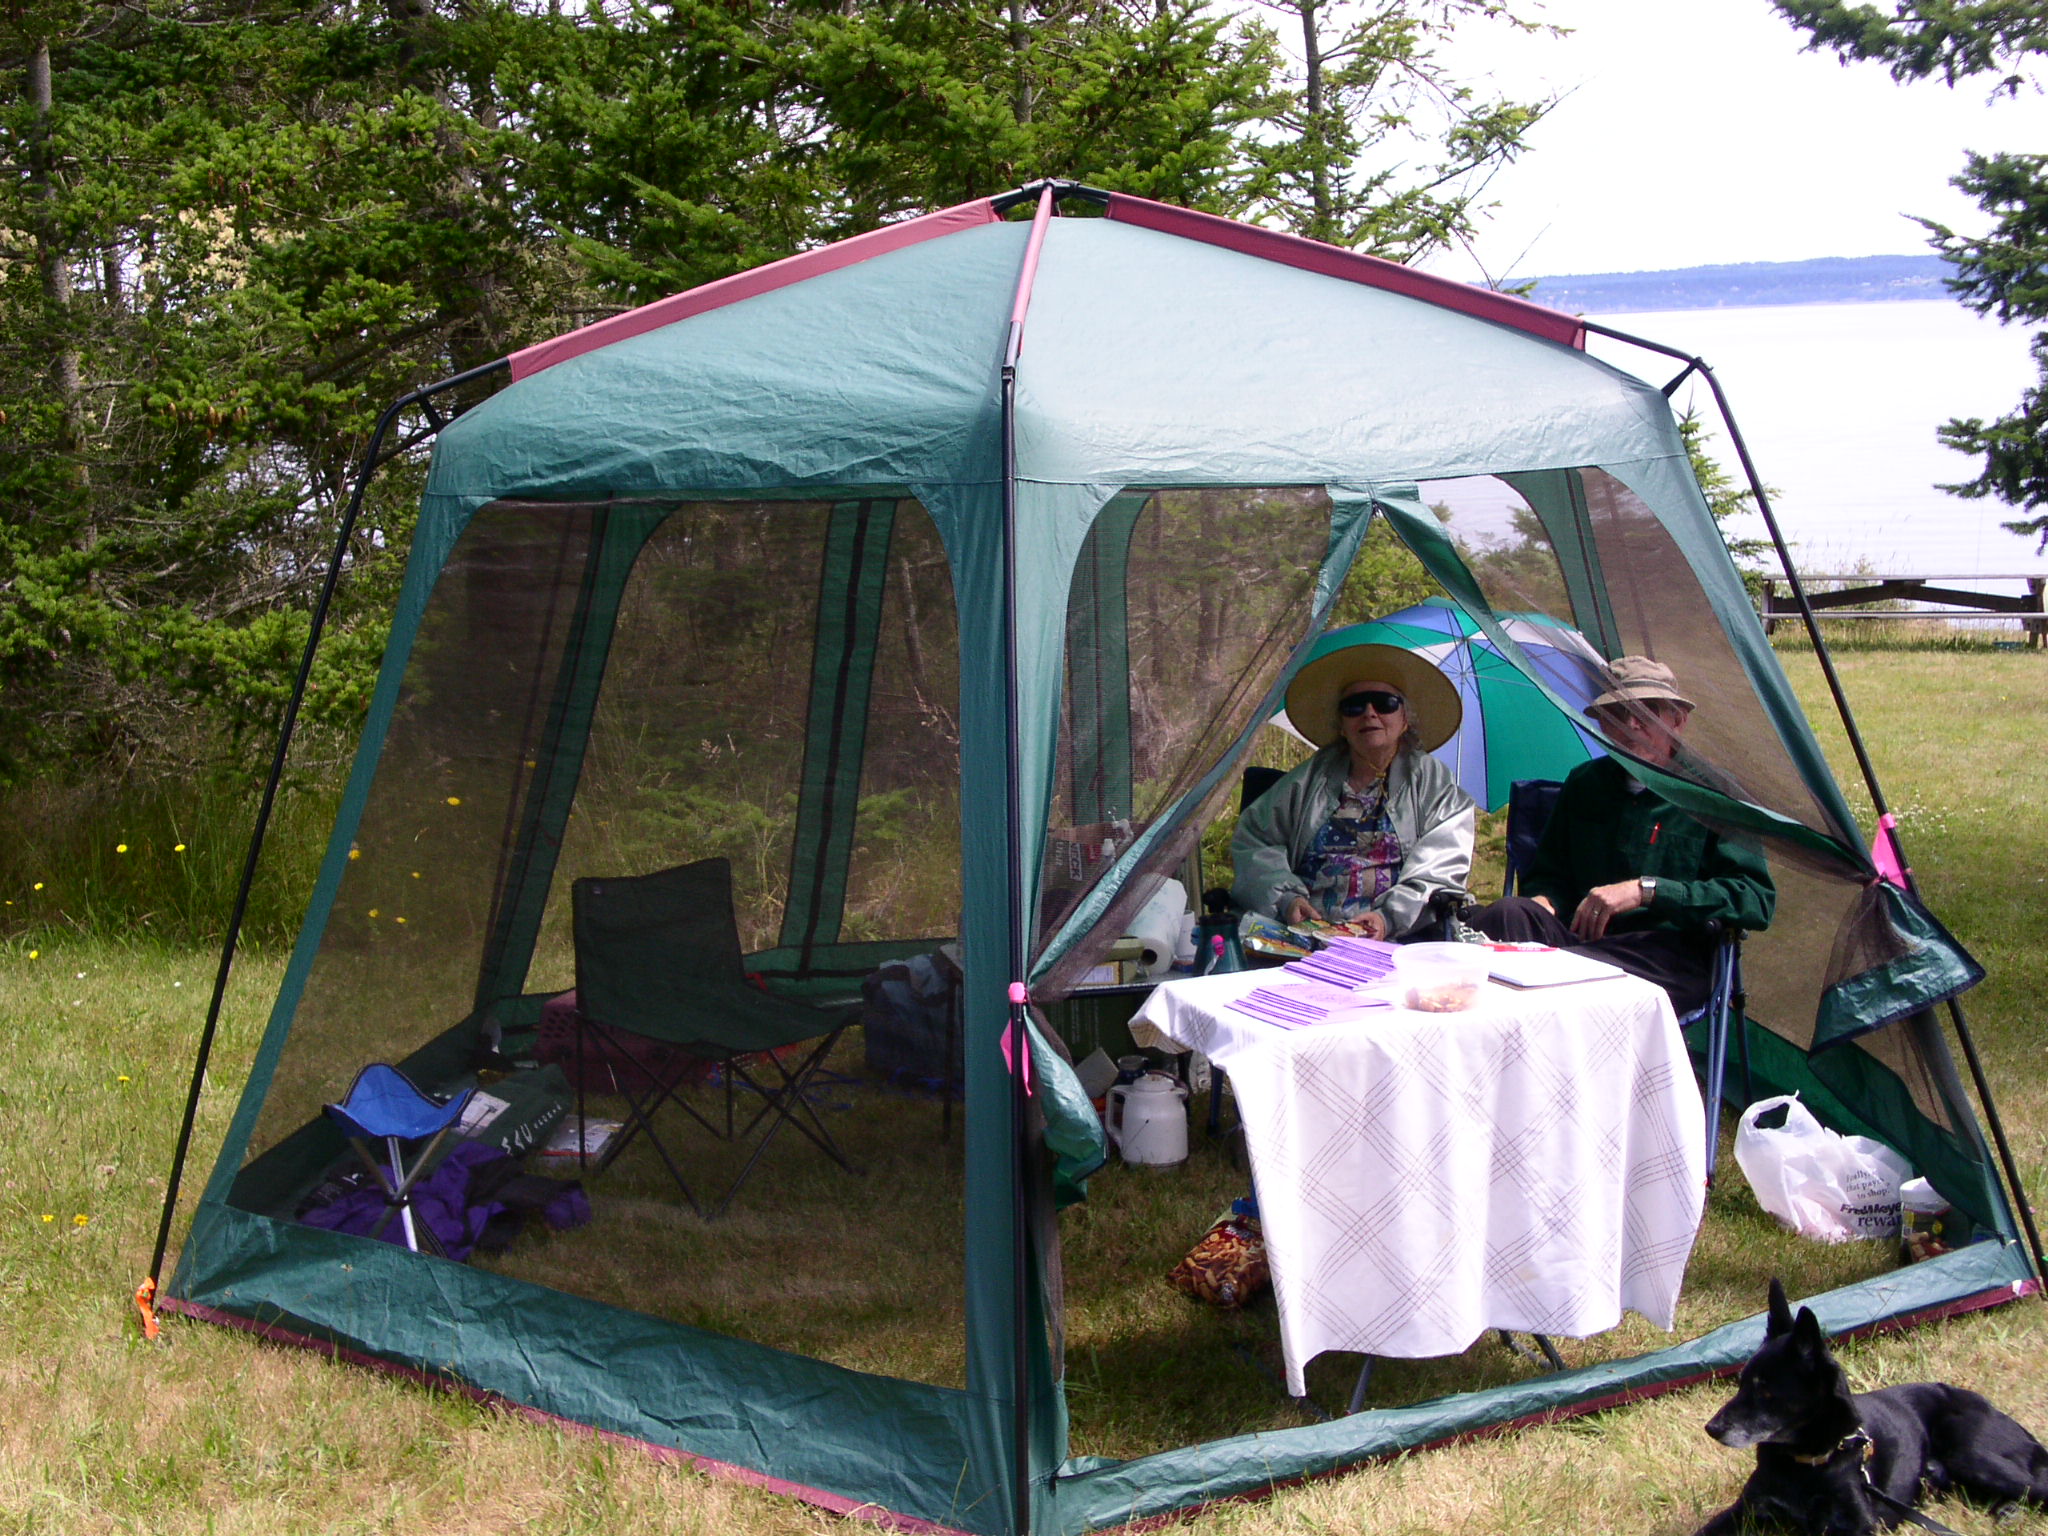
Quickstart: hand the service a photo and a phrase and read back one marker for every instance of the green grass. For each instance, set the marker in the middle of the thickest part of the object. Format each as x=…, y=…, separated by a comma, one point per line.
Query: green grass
x=210, y=1431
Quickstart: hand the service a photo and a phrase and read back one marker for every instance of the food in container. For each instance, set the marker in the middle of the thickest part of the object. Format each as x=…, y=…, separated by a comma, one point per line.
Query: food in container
x=1440, y=978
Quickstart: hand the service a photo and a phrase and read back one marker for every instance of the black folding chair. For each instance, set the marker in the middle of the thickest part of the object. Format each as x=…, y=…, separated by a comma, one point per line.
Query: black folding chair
x=658, y=956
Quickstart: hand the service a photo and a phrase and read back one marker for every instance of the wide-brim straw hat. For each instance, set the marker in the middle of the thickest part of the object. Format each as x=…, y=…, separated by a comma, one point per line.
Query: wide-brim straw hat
x=1435, y=708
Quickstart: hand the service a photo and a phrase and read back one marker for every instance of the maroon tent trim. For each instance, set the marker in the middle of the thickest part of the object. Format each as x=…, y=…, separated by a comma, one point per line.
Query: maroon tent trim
x=746, y=285
x=1330, y=261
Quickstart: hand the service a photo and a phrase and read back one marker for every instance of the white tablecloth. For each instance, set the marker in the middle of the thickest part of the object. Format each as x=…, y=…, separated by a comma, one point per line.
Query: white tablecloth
x=1534, y=1163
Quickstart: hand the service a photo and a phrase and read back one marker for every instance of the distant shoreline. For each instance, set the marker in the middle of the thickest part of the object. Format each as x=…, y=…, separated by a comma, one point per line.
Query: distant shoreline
x=1746, y=285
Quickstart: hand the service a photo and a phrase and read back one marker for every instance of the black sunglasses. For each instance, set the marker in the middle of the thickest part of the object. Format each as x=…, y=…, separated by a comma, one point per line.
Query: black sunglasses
x=1352, y=705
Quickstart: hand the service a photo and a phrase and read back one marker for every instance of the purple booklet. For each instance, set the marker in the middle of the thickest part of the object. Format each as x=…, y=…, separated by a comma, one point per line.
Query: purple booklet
x=1298, y=1003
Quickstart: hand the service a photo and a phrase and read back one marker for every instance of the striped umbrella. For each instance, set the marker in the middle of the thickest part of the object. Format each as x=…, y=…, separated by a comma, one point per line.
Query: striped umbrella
x=1510, y=730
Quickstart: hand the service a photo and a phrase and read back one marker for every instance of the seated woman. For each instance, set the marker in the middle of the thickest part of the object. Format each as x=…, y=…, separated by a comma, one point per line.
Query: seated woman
x=1372, y=826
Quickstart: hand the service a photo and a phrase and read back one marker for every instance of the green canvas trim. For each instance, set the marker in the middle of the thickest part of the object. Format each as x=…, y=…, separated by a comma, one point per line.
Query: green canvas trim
x=1931, y=968
x=1073, y=1131
x=1099, y=667
x=1092, y=1495
x=1558, y=498
x=616, y=539
x=897, y=1443
x=851, y=583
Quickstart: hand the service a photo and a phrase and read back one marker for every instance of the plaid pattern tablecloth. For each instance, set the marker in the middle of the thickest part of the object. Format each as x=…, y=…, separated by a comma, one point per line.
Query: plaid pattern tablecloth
x=1535, y=1163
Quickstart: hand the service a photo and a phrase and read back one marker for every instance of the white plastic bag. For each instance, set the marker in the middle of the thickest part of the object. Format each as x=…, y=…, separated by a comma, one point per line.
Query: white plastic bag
x=1818, y=1182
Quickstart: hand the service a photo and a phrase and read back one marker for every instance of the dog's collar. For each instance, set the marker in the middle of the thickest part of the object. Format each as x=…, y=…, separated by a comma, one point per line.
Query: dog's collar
x=1855, y=1441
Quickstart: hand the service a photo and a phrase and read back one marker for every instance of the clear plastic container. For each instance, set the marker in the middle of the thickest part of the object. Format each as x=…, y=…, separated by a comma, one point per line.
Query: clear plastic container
x=1440, y=978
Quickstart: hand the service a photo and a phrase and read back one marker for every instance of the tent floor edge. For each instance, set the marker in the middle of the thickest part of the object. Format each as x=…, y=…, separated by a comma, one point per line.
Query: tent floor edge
x=833, y=1503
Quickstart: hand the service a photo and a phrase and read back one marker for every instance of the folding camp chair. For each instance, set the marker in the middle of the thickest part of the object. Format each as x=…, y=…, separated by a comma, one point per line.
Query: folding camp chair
x=658, y=956
x=1530, y=802
x=382, y=1104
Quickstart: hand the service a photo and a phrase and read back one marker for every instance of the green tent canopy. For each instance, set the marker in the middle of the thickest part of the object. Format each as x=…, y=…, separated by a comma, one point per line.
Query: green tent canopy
x=940, y=581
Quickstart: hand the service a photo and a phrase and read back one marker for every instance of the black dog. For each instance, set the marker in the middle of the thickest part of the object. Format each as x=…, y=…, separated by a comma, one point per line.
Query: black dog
x=1845, y=1463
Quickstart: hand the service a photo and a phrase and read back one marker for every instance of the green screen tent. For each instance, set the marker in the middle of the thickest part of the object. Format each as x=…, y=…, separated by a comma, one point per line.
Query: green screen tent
x=940, y=579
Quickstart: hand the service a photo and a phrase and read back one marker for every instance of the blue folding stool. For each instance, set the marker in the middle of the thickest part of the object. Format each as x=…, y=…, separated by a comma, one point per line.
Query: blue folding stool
x=383, y=1105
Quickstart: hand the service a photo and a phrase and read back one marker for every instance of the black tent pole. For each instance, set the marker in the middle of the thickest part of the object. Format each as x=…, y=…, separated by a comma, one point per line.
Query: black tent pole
x=1887, y=824
x=373, y=457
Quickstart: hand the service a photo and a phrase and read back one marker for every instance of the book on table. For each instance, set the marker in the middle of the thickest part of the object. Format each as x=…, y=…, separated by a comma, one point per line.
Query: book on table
x=1547, y=967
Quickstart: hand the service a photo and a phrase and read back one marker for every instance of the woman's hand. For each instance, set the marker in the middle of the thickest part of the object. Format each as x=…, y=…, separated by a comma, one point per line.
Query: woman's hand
x=1299, y=909
x=1375, y=925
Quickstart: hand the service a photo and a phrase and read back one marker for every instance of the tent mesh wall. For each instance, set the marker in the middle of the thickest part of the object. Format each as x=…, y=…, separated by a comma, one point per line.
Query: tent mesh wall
x=1184, y=607
x=1586, y=551
x=738, y=705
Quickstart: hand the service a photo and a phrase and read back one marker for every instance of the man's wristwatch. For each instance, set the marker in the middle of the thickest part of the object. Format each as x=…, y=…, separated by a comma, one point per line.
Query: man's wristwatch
x=1648, y=885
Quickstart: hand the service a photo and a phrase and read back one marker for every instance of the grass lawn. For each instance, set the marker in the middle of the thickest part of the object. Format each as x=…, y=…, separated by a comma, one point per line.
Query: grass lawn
x=210, y=1431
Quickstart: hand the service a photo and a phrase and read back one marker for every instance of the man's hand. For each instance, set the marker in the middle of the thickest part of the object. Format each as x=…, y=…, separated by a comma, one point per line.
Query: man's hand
x=1603, y=904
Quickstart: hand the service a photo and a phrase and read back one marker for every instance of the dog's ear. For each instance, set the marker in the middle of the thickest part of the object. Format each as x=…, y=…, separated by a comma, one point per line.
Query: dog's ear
x=1780, y=1319
x=1806, y=1332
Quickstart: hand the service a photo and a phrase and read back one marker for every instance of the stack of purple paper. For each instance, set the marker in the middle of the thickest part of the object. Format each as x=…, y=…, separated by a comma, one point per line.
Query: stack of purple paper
x=1294, y=1004
x=1347, y=962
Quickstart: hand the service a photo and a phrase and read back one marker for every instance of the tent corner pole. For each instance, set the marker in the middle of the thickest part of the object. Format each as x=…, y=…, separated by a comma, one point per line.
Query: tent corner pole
x=1017, y=1025
x=373, y=458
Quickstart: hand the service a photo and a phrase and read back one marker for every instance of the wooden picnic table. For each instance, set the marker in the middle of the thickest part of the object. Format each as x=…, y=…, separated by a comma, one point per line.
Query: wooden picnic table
x=1857, y=590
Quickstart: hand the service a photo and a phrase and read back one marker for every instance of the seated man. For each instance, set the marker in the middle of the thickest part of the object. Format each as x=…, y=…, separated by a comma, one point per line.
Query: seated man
x=1621, y=872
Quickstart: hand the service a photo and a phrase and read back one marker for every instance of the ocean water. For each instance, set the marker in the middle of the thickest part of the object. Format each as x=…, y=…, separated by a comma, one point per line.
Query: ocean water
x=1839, y=404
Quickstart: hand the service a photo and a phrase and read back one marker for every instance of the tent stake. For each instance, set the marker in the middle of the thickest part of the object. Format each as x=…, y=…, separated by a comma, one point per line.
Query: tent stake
x=373, y=458
x=1887, y=827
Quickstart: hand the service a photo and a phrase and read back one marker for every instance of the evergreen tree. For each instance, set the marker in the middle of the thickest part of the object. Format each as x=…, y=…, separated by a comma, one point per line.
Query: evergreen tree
x=2004, y=272
x=1377, y=145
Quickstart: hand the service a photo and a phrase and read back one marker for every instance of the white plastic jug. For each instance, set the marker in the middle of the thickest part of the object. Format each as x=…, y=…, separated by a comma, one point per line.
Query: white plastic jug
x=1148, y=1120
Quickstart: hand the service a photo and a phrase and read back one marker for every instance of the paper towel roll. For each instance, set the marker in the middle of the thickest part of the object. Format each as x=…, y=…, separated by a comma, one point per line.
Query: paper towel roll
x=1158, y=927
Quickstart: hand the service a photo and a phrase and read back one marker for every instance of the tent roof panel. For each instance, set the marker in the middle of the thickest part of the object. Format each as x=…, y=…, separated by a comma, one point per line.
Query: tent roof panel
x=1147, y=360
x=1149, y=357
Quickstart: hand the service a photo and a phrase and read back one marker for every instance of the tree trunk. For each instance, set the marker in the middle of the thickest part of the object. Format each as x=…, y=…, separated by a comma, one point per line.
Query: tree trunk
x=1314, y=129
x=53, y=259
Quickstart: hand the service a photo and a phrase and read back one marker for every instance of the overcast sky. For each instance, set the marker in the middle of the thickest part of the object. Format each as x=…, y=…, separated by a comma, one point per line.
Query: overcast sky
x=1697, y=132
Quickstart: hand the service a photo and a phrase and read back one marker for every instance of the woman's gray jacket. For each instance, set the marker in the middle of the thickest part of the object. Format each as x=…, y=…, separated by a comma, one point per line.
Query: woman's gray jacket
x=1431, y=815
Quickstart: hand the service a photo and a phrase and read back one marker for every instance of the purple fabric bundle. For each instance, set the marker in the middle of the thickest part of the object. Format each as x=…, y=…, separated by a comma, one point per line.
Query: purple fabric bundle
x=445, y=1202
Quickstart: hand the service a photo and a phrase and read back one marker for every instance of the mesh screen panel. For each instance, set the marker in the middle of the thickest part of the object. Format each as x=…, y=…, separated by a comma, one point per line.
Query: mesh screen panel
x=620, y=689
x=1580, y=547
x=1184, y=608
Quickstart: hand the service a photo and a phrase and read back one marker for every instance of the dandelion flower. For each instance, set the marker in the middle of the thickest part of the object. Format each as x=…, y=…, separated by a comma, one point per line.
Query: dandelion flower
x=179, y=848
x=80, y=1219
x=415, y=874
x=124, y=1078
x=35, y=954
x=49, y=1215
x=398, y=919
x=373, y=911
x=38, y=885
x=120, y=847
x=455, y=799
x=355, y=853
